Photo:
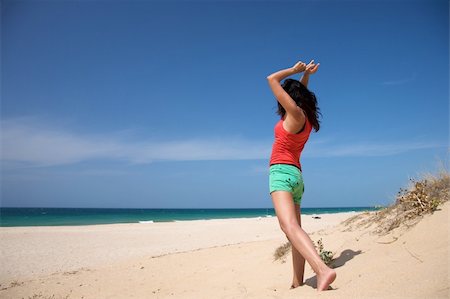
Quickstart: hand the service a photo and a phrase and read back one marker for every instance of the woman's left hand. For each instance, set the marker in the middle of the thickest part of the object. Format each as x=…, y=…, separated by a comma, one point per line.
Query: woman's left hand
x=299, y=67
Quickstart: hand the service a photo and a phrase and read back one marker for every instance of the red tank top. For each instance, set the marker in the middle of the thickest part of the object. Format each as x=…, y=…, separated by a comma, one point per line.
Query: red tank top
x=288, y=147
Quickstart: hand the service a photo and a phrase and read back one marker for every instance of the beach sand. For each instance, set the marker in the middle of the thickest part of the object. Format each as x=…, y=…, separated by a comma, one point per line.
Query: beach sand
x=230, y=258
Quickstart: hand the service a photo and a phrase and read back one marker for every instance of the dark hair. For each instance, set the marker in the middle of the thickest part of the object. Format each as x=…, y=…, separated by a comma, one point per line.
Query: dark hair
x=304, y=98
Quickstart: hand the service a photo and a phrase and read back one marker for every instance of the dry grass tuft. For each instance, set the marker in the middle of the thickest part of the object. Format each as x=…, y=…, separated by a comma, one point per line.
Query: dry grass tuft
x=420, y=198
x=281, y=252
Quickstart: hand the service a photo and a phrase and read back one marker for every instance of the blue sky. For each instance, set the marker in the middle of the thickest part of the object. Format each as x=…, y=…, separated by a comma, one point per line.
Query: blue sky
x=165, y=104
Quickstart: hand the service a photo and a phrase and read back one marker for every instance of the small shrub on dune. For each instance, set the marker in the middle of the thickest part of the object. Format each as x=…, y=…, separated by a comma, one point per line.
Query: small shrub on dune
x=325, y=255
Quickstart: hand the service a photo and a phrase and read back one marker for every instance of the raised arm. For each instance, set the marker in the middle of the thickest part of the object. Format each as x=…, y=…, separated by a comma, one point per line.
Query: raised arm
x=281, y=95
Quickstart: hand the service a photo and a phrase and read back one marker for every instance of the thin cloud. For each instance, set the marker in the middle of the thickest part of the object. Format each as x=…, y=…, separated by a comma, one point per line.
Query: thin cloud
x=24, y=143
x=401, y=81
x=37, y=145
x=368, y=149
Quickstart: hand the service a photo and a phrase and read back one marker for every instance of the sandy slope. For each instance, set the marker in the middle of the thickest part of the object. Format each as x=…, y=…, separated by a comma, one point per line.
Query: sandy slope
x=368, y=266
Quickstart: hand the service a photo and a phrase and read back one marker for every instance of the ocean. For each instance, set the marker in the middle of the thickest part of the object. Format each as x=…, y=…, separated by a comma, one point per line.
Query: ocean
x=89, y=216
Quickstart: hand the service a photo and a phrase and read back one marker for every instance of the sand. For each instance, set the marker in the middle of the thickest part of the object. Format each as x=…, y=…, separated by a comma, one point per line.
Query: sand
x=230, y=258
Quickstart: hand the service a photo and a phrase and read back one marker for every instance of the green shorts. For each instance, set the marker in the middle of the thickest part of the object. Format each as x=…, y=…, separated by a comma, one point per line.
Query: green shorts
x=285, y=177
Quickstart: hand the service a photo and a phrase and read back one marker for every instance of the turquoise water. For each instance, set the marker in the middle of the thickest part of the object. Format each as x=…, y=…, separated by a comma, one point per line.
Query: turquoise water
x=84, y=216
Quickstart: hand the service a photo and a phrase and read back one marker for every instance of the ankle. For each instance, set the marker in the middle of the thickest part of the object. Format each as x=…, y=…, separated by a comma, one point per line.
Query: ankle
x=324, y=270
x=296, y=285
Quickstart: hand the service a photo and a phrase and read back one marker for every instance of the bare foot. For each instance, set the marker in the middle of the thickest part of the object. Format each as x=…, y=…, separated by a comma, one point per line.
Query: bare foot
x=296, y=285
x=325, y=278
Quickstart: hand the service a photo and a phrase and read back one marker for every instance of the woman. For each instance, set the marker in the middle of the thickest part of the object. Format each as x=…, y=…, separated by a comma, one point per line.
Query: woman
x=299, y=113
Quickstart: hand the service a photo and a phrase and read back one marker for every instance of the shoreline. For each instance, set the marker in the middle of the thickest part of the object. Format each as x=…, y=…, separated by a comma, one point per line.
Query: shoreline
x=178, y=220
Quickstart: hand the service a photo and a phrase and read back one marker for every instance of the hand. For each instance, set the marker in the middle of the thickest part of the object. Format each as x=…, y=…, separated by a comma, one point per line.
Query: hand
x=311, y=68
x=299, y=67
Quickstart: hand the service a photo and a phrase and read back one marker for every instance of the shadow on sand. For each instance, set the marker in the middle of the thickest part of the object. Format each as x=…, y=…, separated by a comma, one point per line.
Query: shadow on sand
x=344, y=257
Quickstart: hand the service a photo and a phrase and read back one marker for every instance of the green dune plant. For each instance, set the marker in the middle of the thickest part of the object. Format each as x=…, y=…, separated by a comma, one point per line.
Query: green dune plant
x=325, y=255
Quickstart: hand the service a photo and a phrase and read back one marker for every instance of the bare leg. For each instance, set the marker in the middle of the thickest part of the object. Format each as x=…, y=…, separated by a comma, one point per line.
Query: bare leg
x=298, y=260
x=285, y=211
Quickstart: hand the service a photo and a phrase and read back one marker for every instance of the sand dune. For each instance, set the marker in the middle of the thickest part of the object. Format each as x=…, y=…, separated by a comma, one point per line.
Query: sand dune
x=411, y=263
